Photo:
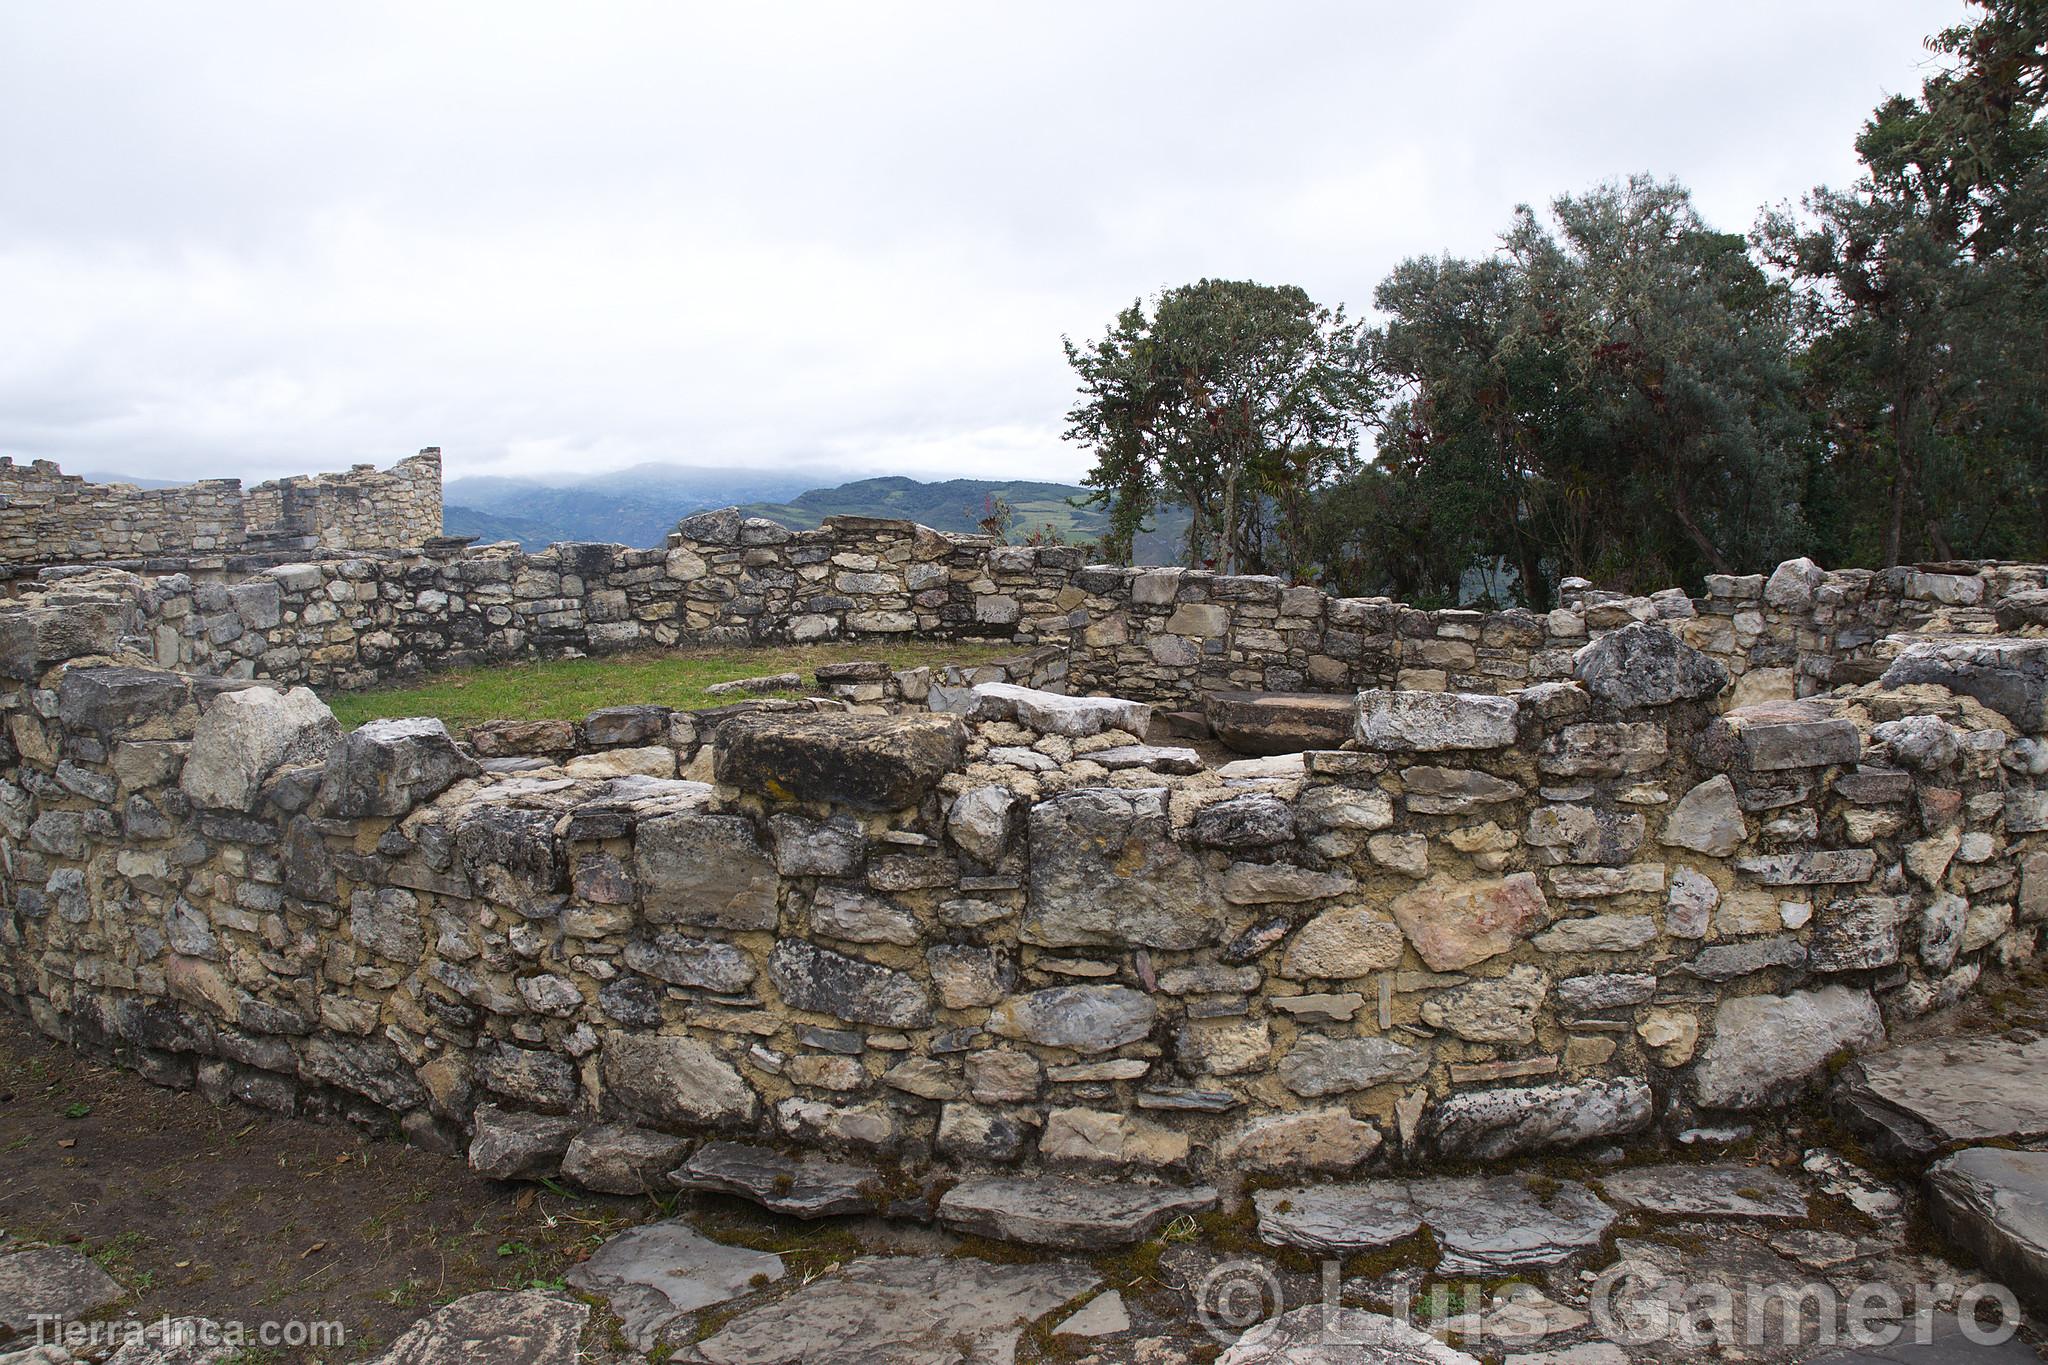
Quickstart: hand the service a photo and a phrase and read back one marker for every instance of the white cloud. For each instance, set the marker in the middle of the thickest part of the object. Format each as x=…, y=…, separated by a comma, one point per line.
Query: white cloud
x=256, y=239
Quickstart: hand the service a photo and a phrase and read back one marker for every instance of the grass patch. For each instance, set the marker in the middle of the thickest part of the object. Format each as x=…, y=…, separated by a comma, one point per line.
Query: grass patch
x=566, y=689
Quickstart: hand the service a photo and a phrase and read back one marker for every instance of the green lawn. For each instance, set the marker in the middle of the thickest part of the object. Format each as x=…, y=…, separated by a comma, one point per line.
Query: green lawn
x=565, y=689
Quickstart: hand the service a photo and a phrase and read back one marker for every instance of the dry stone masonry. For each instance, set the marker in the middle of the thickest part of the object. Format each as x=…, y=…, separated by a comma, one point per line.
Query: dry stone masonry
x=906, y=947
x=47, y=516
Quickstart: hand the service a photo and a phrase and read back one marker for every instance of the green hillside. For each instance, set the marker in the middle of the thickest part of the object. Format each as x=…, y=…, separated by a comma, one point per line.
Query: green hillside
x=960, y=504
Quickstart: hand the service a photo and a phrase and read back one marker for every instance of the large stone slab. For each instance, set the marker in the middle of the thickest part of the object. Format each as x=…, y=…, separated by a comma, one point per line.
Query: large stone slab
x=1486, y=1125
x=1915, y=1099
x=2009, y=676
x=1084, y=1018
x=242, y=737
x=1481, y=1226
x=824, y=982
x=1432, y=722
x=918, y=1310
x=530, y=1327
x=812, y=1187
x=1052, y=1211
x=654, y=1273
x=1646, y=665
x=1705, y=1192
x=706, y=870
x=1279, y=722
x=674, y=1080
x=1994, y=1203
x=1766, y=1048
x=1105, y=871
x=867, y=762
x=1056, y=714
x=386, y=767
x=1330, y=1335
x=51, y=1282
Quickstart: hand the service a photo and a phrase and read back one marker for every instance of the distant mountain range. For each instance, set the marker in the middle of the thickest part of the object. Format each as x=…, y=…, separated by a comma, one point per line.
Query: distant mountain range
x=641, y=506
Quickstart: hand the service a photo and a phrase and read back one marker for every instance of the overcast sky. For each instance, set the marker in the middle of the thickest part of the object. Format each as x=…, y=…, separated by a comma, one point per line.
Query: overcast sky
x=263, y=239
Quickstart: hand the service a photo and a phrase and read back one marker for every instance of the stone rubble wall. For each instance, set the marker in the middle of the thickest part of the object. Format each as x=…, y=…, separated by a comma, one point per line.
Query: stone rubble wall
x=1018, y=937
x=49, y=517
x=1161, y=635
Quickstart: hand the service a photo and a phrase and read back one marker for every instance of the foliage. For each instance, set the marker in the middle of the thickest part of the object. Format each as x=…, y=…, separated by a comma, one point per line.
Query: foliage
x=1235, y=400
x=1924, y=311
x=1621, y=391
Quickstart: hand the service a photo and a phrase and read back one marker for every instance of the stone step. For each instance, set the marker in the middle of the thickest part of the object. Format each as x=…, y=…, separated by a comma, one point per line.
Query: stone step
x=1909, y=1102
x=1994, y=1202
x=1069, y=1214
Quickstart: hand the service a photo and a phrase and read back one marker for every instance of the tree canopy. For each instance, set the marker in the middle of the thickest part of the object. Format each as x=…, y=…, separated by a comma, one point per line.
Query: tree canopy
x=1623, y=391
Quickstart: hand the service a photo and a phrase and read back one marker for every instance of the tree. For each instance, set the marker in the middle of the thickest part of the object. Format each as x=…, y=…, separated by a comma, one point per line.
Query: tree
x=1925, y=307
x=1233, y=399
x=1611, y=397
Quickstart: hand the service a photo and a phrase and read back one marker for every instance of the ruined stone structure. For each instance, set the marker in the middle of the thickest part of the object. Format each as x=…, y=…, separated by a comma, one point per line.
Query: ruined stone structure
x=49, y=517
x=1162, y=635
x=1585, y=880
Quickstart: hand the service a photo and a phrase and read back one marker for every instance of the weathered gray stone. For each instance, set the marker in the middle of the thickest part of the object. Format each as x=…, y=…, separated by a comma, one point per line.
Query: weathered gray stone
x=1646, y=665
x=1084, y=1018
x=856, y=917
x=1614, y=990
x=619, y=1158
x=1994, y=1203
x=653, y=1274
x=386, y=767
x=1068, y=1214
x=1106, y=871
x=824, y=982
x=1482, y=1226
x=243, y=737
x=981, y=822
x=967, y=977
x=1250, y=883
x=1320, y=1335
x=529, y=1327
x=125, y=700
x=1817, y=867
x=1792, y=584
x=674, y=1080
x=1251, y=821
x=1605, y=749
x=1074, y=717
x=867, y=762
x=1453, y=791
x=1707, y=819
x=509, y=1145
x=1940, y=1092
x=929, y=1310
x=704, y=870
x=1582, y=834
x=1278, y=722
x=1320, y=1065
x=810, y=1187
x=51, y=1282
x=699, y=963
x=1455, y=924
x=1926, y=743
x=1779, y=735
x=808, y=848
x=2010, y=676
x=1705, y=1192
x=1489, y=1124
x=1857, y=933
x=1432, y=722
x=536, y=1078
x=1767, y=1047
x=1726, y=961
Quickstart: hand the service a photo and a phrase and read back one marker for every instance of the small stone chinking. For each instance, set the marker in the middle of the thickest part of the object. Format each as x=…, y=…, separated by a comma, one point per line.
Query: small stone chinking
x=820, y=956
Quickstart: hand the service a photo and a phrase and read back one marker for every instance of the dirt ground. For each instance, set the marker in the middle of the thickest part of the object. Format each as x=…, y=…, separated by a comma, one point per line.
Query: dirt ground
x=235, y=1214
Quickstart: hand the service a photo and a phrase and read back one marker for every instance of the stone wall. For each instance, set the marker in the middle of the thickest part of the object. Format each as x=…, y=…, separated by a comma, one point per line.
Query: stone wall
x=1163, y=635
x=49, y=517
x=1016, y=937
